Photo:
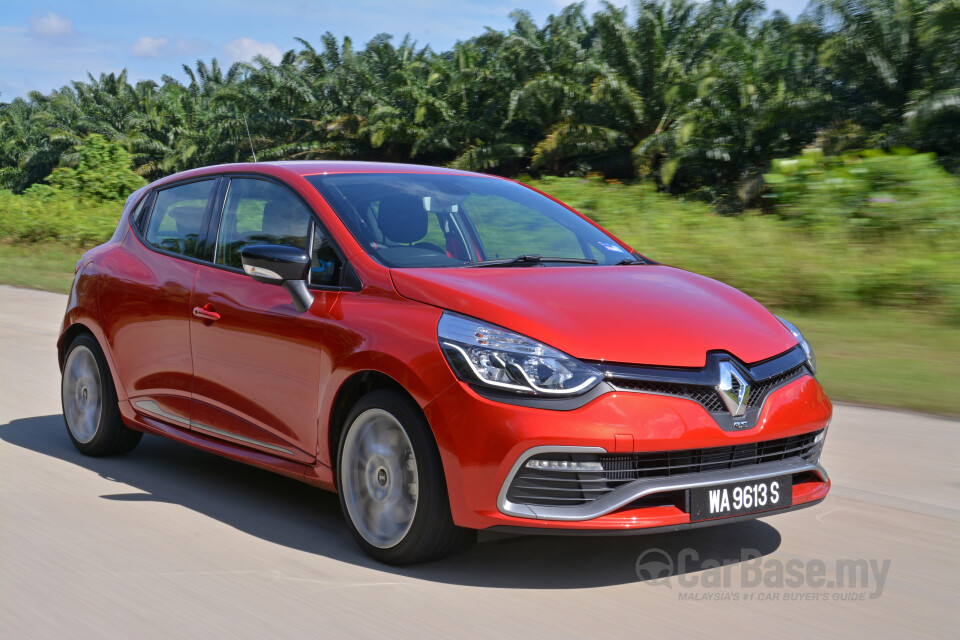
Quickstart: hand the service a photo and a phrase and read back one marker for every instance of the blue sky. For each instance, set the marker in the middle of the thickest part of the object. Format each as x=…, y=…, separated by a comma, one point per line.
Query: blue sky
x=44, y=45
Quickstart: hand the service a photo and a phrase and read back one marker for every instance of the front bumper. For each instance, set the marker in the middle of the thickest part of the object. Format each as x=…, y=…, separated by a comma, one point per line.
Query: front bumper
x=646, y=487
x=483, y=443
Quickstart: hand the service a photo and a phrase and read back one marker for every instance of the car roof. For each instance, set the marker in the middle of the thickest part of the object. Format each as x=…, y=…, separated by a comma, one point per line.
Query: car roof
x=313, y=167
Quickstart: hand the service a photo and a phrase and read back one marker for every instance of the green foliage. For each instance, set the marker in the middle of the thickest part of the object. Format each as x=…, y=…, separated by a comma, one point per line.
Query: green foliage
x=102, y=173
x=700, y=96
x=80, y=206
x=48, y=213
x=869, y=192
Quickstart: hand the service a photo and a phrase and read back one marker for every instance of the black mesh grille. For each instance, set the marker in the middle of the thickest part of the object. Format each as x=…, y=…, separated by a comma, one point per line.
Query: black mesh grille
x=706, y=396
x=556, y=487
x=760, y=389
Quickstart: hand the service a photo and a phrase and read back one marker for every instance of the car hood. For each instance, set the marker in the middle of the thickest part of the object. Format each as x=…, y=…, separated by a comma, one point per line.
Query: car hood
x=646, y=314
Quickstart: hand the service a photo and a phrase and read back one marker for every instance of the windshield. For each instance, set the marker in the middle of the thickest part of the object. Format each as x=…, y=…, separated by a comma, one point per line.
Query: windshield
x=430, y=220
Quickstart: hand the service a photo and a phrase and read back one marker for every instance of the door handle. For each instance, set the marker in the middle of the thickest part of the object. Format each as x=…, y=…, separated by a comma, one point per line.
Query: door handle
x=206, y=312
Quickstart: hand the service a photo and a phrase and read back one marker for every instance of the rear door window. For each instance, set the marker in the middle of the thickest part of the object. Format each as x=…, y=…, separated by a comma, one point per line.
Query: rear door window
x=177, y=217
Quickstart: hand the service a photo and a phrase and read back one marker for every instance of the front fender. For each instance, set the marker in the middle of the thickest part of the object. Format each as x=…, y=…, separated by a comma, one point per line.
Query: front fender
x=387, y=335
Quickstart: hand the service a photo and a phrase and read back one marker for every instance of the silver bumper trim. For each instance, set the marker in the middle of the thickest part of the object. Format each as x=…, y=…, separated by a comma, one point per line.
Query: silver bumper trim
x=640, y=488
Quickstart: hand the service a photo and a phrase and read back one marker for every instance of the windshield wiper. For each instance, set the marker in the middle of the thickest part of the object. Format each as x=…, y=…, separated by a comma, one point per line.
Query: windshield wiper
x=527, y=260
x=631, y=261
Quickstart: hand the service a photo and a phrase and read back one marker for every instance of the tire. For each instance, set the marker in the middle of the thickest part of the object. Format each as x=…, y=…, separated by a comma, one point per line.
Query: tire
x=89, y=400
x=387, y=437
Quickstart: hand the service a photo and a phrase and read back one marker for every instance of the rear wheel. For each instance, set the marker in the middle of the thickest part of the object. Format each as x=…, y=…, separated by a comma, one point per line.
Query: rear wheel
x=391, y=483
x=89, y=400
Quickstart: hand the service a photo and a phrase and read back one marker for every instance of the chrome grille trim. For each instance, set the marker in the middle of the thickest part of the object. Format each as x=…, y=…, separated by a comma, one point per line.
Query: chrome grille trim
x=587, y=499
x=641, y=488
x=706, y=396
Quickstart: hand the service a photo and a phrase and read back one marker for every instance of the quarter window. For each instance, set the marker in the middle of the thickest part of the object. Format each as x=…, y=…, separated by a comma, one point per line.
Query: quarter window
x=326, y=266
x=177, y=217
x=137, y=217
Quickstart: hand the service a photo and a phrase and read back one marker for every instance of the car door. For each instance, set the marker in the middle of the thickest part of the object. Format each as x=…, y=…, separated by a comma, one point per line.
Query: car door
x=256, y=359
x=144, y=296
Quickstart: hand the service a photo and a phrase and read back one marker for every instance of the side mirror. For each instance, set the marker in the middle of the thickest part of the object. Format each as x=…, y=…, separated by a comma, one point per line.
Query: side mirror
x=283, y=265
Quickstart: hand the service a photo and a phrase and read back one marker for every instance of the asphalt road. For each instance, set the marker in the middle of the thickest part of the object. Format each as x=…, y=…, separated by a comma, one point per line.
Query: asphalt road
x=168, y=542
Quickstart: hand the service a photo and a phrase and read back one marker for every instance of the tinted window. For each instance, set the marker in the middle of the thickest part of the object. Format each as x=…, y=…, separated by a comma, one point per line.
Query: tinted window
x=177, y=217
x=137, y=217
x=430, y=220
x=260, y=212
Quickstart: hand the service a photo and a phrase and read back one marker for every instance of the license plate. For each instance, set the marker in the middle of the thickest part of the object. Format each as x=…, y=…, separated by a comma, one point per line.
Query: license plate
x=738, y=498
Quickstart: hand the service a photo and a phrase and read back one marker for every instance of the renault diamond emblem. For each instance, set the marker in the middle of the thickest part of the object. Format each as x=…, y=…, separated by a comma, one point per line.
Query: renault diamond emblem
x=733, y=389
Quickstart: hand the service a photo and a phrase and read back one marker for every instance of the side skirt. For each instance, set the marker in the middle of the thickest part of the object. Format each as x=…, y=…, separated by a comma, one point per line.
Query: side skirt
x=318, y=474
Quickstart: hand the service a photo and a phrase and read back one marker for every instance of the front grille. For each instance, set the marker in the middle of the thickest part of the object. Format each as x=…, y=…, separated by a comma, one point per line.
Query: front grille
x=704, y=395
x=759, y=391
x=566, y=487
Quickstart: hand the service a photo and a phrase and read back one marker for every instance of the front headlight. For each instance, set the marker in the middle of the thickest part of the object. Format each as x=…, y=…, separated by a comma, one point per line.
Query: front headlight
x=484, y=353
x=811, y=359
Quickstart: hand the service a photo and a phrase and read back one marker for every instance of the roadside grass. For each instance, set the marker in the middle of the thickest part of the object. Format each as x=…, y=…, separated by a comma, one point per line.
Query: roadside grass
x=45, y=265
x=884, y=357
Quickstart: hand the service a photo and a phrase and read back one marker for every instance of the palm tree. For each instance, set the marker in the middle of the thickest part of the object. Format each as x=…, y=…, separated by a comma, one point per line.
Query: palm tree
x=697, y=95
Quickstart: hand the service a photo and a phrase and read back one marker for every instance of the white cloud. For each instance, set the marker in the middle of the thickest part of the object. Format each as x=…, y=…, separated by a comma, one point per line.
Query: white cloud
x=147, y=47
x=245, y=49
x=51, y=25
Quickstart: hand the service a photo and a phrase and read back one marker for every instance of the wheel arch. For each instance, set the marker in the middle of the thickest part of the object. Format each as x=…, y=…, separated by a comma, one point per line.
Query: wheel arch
x=351, y=390
x=67, y=338
x=83, y=315
x=77, y=326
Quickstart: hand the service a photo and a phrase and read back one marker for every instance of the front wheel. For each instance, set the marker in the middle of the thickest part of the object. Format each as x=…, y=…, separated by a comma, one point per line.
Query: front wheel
x=89, y=402
x=391, y=483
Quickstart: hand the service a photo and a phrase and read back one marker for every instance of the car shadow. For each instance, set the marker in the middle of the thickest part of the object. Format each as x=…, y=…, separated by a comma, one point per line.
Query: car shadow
x=286, y=512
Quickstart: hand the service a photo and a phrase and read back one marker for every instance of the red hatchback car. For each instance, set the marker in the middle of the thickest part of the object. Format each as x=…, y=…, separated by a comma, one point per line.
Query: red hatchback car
x=448, y=351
